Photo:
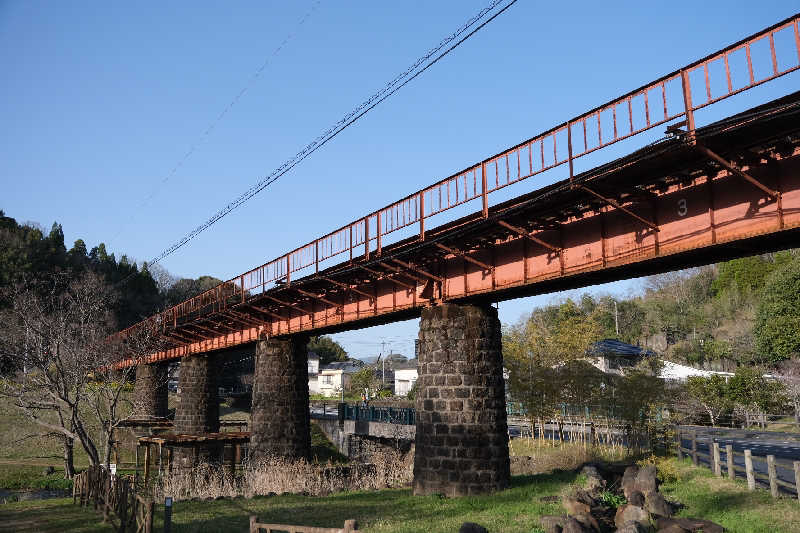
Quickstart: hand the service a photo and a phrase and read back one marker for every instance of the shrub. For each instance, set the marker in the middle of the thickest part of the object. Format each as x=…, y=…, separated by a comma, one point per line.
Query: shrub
x=667, y=472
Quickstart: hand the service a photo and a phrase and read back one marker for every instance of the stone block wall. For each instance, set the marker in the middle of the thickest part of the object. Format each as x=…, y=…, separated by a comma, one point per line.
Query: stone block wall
x=280, y=421
x=150, y=391
x=462, y=433
x=198, y=400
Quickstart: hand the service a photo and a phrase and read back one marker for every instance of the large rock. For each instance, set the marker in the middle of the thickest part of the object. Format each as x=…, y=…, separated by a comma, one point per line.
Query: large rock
x=574, y=506
x=553, y=523
x=690, y=524
x=656, y=505
x=636, y=498
x=472, y=527
x=573, y=526
x=631, y=513
x=594, y=480
x=647, y=480
x=674, y=528
x=588, y=521
x=634, y=527
x=629, y=480
x=642, y=479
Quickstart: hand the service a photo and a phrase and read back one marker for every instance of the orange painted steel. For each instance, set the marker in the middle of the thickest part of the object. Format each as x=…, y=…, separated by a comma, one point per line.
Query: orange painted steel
x=614, y=235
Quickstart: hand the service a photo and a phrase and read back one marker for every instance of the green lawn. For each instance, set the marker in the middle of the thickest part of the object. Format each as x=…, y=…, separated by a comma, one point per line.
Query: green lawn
x=729, y=502
x=515, y=510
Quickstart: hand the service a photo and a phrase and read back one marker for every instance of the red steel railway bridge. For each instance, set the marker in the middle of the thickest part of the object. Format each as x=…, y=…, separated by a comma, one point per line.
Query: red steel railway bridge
x=702, y=193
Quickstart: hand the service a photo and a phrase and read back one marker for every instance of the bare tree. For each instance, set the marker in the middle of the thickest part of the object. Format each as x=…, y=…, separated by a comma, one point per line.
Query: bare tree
x=789, y=374
x=72, y=373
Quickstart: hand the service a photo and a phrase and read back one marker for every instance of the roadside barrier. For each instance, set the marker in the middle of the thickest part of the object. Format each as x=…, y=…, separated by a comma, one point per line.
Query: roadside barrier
x=713, y=459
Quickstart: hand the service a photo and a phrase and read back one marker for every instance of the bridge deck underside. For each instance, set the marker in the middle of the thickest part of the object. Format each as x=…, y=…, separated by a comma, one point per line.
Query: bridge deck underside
x=664, y=207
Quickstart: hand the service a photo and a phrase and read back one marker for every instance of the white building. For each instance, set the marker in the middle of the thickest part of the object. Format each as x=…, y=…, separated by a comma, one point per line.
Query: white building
x=405, y=376
x=313, y=372
x=335, y=377
x=675, y=372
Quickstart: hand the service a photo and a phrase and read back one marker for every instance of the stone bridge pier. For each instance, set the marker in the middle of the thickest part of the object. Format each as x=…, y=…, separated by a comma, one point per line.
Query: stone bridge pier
x=197, y=411
x=150, y=391
x=462, y=435
x=279, y=419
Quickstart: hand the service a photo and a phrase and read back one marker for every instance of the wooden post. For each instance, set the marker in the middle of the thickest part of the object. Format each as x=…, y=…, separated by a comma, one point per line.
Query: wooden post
x=748, y=467
x=253, y=521
x=591, y=433
x=350, y=525
x=694, y=448
x=797, y=478
x=729, y=457
x=717, y=465
x=233, y=462
x=146, y=463
x=679, y=447
x=136, y=467
x=773, y=477
x=148, y=519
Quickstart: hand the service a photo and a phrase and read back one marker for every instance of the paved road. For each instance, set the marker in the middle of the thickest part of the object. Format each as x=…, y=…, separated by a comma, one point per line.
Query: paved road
x=784, y=446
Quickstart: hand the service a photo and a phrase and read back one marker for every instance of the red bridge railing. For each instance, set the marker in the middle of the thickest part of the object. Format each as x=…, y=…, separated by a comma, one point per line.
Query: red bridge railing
x=755, y=60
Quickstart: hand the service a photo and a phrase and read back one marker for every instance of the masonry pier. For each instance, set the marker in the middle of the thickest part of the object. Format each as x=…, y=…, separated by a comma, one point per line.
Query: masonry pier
x=462, y=435
x=150, y=391
x=280, y=421
x=198, y=404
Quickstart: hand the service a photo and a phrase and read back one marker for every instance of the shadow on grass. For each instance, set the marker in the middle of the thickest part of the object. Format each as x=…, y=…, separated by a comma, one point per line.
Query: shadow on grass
x=50, y=516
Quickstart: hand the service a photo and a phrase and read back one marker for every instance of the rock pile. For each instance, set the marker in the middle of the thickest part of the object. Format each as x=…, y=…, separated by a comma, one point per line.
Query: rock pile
x=590, y=510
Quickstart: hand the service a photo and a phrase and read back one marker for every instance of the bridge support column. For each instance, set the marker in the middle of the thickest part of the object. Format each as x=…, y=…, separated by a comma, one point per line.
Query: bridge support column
x=280, y=423
x=150, y=391
x=198, y=405
x=462, y=435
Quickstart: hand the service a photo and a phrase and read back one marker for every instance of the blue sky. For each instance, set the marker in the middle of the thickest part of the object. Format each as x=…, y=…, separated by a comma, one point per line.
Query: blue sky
x=99, y=101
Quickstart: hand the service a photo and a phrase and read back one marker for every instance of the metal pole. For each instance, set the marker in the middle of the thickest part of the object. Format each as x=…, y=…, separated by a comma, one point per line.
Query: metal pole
x=167, y=514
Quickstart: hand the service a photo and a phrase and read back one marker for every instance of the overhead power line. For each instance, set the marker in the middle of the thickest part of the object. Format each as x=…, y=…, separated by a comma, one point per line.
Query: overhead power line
x=201, y=139
x=428, y=60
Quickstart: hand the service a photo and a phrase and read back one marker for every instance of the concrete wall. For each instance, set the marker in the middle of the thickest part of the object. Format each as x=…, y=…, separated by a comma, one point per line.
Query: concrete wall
x=351, y=436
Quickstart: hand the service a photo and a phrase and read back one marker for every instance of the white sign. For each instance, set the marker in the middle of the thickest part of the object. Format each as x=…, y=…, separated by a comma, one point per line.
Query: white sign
x=113, y=468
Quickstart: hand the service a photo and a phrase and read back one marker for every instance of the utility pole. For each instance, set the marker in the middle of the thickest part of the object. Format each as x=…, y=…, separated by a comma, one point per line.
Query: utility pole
x=616, y=318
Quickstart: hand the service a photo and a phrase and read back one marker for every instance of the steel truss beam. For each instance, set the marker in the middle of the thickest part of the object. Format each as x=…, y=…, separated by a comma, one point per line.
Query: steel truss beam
x=318, y=297
x=523, y=233
x=731, y=167
x=617, y=205
x=464, y=256
x=417, y=269
x=387, y=276
x=348, y=287
x=287, y=304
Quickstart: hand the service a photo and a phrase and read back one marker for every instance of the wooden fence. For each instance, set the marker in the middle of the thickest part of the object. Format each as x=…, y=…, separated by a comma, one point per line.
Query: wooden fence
x=715, y=463
x=115, y=497
x=350, y=526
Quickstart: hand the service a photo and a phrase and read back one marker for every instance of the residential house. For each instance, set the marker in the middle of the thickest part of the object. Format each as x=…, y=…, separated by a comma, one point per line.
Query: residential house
x=615, y=357
x=333, y=378
x=405, y=376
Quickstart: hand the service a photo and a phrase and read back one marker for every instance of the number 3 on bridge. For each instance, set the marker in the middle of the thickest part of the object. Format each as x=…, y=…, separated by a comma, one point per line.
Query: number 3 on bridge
x=682, y=207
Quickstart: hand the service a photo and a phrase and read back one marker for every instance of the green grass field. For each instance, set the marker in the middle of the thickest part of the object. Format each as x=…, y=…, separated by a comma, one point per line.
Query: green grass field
x=515, y=510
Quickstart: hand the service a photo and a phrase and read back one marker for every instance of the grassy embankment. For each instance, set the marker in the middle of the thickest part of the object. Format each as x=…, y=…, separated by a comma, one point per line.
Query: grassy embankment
x=515, y=510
